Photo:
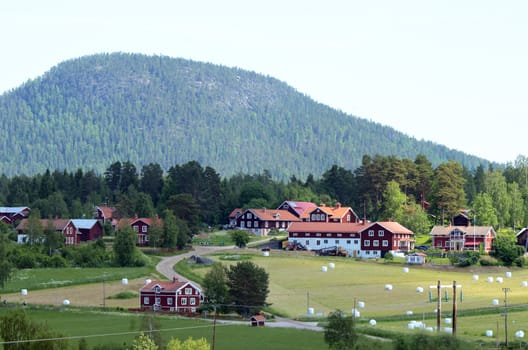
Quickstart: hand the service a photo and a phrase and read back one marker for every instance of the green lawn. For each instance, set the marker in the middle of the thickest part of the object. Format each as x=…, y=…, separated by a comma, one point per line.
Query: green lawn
x=118, y=328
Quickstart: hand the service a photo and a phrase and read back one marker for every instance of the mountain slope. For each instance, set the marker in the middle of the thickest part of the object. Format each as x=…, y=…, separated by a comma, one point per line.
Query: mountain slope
x=94, y=110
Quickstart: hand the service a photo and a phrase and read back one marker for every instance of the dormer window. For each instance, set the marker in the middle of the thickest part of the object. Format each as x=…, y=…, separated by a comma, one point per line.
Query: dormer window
x=157, y=289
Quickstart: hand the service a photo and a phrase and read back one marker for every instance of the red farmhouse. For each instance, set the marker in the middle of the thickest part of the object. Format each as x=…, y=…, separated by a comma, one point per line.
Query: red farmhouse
x=171, y=296
x=10, y=215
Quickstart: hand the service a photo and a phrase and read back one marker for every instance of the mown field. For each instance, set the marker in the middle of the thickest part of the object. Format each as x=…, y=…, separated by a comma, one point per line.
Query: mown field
x=297, y=283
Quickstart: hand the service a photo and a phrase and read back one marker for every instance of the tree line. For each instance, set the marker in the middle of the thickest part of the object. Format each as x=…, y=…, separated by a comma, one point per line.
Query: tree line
x=412, y=192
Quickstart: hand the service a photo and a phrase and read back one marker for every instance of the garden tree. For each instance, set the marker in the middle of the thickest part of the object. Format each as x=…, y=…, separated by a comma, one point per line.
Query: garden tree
x=393, y=202
x=112, y=178
x=517, y=205
x=155, y=233
x=33, y=228
x=505, y=249
x=210, y=197
x=339, y=183
x=134, y=203
x=415, y=218
x=448, y=189
x=90, y=184
x=215, y=285
x=185, y=207
x=252, y=191
x=496, y=186
x=47, y=185
x=184, y=235
x=129, y=177
x=483, y=211
x=152, y=181
x=248, y=286
x=240, y=237
x=124, y=247
x=144, y=342
x=340, y=333
x=15, y=326
x=469, y=185
x=188, y=344
x=53, y=239
x=169, y=234
x=5, y=265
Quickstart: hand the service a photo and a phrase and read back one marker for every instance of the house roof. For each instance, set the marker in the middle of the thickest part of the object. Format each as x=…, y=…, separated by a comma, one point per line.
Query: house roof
x=131, y=221
x=299, y=207
x=108, y=212
x=466, y=230
x=330, y=227
x=391, y=226
x=12, y=210
x=168, y=286
x=235, y=212
x=337, y=211
x=521, y=232
x=58, y=224
x=258, y=318
x=274, y=215
x=85, y=223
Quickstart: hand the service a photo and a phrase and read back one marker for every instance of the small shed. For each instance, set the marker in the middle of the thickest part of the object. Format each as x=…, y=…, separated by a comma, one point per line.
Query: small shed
x=258, y=320
x=416, y=258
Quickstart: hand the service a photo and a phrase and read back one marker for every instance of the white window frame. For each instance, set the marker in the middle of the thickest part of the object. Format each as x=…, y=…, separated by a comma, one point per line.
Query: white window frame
x=183, y=301
x=192, y=301
x=144, y=228
x=371, y=233
x=188, y=291
x=375, y=243
x=136, y=228
x=146, y=300
x=367, y=243
x=381, y=233
x=169, y=301
x=385, y=243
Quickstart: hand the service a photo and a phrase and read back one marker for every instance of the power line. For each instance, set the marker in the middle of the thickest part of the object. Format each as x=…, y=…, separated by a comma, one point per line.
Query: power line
x=105, y=334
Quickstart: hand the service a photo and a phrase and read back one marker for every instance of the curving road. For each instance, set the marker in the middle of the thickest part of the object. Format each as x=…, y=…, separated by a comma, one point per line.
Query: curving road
x=166, y=268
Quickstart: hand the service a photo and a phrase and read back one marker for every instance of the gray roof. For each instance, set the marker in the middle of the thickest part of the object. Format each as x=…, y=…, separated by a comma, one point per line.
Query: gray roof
x=84, y=223
x=12, y=210
x=467, y=230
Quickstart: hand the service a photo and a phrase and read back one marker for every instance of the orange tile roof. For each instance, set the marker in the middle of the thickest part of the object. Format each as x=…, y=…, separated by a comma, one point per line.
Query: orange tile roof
x=392, y=226
x=58, y=224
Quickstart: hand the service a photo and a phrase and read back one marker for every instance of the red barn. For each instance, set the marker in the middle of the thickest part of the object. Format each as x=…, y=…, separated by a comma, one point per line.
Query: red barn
x=171, y=296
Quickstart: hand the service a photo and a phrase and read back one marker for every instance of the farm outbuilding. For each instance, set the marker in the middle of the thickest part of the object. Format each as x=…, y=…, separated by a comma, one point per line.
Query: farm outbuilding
x=416, y=259
x=258, y=320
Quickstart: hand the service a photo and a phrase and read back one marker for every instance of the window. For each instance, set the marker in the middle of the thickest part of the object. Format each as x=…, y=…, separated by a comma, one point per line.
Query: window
x=348, y=241
x=136, y=228
x=339, y=235
x=266, y=224
x=255, y=224
x=375, y=243
x=313, y=217
x=356, y=241
x=371, y=233
x=381, y=233
x=276, y=224
x=249, y=216
x=308, y=234
x=367, y=243
x=385, y=243
x=325, y=241
x=157, y=289
x=249, y=224
x=169, y=301
x=368, y=252
x=323, y=217
x=242, y=224
x=192, y=301
x=144, y=228
x=188, y=291
x=337, y=241
x=146, y=300
x=158, y=300
x=307, y=242
x=318, y=242
x=348, y=218
x=183, y=301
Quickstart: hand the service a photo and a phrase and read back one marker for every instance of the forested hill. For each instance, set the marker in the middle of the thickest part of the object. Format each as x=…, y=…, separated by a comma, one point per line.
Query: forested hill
x=91, y=111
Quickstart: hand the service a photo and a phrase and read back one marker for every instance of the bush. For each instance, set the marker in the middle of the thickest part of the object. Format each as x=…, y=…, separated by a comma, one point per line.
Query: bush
x=520, y=261
x=487, y=260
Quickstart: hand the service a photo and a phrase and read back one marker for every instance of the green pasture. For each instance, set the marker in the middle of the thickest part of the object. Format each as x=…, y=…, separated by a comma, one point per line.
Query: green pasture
x=36, y=279
x=118, y=328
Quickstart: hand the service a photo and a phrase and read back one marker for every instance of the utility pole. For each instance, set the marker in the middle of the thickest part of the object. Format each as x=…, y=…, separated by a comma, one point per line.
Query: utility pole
x=505, y=314
x=454, y=308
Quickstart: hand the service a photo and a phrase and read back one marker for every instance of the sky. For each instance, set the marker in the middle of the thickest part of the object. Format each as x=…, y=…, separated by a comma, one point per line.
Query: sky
x=448, y=71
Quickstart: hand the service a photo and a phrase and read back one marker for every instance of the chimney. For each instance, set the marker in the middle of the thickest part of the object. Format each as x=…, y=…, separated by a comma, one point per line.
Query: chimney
x=338, y=205
x=174, y=279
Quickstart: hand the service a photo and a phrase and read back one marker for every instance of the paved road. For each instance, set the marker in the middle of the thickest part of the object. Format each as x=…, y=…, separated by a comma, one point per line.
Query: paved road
x=166, y=268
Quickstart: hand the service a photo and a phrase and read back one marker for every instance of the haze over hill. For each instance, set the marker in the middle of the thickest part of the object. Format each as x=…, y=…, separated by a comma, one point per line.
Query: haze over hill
x=92, y=111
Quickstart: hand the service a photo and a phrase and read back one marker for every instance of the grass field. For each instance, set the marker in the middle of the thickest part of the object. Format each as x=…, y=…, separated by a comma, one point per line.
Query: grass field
x=297, y=283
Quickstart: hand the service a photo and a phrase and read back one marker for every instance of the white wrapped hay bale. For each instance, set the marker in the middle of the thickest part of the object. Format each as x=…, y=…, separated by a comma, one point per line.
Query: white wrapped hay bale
x=388, y=287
